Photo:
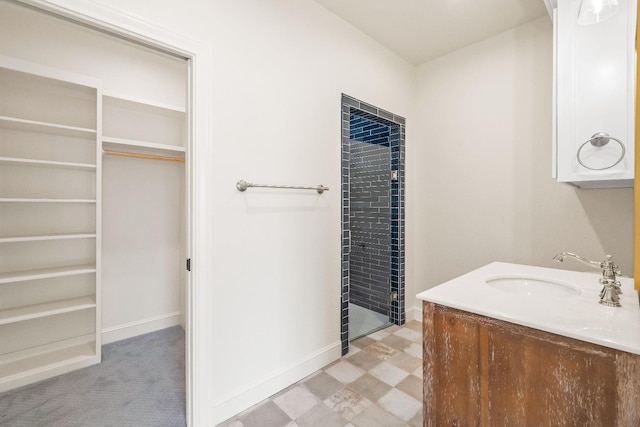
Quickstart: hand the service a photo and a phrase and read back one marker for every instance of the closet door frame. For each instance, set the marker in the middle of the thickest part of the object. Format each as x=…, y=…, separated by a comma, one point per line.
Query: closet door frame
x=199, y=318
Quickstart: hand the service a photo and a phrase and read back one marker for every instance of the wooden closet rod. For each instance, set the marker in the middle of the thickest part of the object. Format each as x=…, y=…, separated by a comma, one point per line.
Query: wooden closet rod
x=143, y=156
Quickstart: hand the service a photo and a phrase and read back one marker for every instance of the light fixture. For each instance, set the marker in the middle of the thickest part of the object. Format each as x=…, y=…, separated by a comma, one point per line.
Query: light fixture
x=594, y=11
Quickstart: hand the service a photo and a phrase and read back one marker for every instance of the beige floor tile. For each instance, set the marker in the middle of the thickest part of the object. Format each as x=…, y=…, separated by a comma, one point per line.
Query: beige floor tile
x=266, y=415
x=409, y=334
x=352, y=350
x=296, y=401
x=374, y=416
x=378, y=335
x=345, y=372
x=411, y=385
x=380, y=350
x=418, y=372
x=335, y=362
x=348, y=403
x=415, y=325
x=323, y=385
x=400, y=404
x=321, y=416
x=405, y=361
x=284, y=390
x=233, y=422
x=396, y=342
x=389, y=373
x=370, y=387
x=308, y=377
x=417, y=420
x=251, y=409
x=391, y=329
x=362, y=342
x=415, y=350
x=365, y=360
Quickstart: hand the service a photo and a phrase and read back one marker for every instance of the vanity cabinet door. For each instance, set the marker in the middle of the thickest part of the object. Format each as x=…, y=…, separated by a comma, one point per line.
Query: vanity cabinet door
x=480, y=371
x=552, y=381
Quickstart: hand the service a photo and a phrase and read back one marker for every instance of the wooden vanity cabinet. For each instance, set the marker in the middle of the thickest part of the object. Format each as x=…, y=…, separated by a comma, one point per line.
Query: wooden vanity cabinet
x=480, y=371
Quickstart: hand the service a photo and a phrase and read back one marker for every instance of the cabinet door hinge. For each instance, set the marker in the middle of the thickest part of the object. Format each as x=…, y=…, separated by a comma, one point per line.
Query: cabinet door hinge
x=188, y=264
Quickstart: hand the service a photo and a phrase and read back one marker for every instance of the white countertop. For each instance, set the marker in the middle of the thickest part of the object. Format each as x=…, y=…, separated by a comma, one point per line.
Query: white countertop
x=578, y=316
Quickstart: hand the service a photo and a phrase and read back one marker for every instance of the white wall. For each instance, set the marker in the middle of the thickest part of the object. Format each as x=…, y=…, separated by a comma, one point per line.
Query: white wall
x=481, y=167
x=280, y=69
x=143, y=201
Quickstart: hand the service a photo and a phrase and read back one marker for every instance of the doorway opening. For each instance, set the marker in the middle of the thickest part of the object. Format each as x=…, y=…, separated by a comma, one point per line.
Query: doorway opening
x=194, y=129
x=373, y=174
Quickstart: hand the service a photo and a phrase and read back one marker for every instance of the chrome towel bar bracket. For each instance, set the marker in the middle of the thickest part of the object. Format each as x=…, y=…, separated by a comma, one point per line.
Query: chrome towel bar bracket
x=243, y=185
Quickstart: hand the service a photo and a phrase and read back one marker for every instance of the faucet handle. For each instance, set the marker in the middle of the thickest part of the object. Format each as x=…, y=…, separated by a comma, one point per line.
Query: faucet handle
x=609, y=295
x=609, y=263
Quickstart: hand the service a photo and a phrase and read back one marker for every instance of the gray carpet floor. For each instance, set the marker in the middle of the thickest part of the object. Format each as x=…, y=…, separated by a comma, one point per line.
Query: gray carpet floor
x=140, y=383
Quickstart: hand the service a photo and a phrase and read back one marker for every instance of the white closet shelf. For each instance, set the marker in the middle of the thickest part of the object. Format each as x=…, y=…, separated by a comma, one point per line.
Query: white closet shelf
x=45, y=273
x=41, y=237
x=36, y=126
x=39, y=362
x=131, y=143
x=36, y=311
x=47, y=163
x=50, y=333
x=42, y=200
x=144, y=102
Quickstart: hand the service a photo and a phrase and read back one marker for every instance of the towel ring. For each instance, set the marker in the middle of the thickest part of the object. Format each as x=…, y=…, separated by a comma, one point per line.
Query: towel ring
x=601, y=139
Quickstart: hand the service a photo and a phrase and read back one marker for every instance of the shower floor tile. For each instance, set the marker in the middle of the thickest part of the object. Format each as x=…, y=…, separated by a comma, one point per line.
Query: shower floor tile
x=363, y=321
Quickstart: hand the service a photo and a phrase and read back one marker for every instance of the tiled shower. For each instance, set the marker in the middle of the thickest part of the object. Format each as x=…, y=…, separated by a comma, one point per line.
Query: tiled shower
x=373, y=216
x=370, y=215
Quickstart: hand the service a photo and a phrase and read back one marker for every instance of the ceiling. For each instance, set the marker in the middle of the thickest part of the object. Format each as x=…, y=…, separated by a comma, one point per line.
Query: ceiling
x=420, y=30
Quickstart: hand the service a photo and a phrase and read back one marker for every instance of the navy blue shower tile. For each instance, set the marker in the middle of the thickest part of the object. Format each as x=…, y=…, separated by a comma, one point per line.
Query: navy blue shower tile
x=374, y=127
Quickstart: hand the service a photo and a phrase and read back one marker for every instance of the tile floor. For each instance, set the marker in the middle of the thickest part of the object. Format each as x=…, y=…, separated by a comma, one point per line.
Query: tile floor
x=378, y=384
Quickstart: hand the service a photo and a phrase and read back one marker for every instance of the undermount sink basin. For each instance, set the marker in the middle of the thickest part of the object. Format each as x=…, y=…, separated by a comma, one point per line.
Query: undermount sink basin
x=532, y=286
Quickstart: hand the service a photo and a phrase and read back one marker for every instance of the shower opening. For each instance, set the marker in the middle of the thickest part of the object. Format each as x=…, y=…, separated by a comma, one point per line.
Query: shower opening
x=373, y=219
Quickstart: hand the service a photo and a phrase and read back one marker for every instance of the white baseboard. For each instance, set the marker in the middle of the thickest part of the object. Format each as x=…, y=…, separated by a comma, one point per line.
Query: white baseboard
x=243, y=398
x=139, y=327
x=414, y=313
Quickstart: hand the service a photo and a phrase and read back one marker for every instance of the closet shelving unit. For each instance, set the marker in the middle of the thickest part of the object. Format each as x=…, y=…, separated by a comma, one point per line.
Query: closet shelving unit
x=167, y=120
x=50, y=232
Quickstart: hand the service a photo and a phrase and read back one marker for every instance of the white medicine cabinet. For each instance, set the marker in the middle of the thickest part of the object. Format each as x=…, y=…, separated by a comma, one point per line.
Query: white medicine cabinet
x=594, y=71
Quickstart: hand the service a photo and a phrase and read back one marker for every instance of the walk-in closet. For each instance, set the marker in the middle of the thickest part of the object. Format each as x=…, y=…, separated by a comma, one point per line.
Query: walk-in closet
x=93, y=193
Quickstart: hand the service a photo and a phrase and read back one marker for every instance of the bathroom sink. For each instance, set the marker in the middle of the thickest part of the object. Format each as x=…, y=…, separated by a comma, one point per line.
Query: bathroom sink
x=533, y=286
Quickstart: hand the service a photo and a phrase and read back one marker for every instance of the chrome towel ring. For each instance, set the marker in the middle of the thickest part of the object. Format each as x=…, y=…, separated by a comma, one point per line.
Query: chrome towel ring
x=601, y=139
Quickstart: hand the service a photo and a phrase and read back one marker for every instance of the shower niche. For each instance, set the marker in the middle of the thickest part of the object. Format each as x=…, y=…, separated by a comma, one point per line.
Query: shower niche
x=373, y=219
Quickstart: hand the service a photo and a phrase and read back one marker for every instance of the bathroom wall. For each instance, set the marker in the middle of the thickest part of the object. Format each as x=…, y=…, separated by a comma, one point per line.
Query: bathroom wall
x=280, y=69
x=370, y=214
x=480, y=164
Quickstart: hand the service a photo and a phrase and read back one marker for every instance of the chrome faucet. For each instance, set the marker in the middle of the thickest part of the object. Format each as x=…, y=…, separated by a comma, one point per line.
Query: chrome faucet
x=611, y=285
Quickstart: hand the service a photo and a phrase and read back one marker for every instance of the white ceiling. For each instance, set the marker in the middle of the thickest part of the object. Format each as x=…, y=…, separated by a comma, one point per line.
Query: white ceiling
x=420, y=30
